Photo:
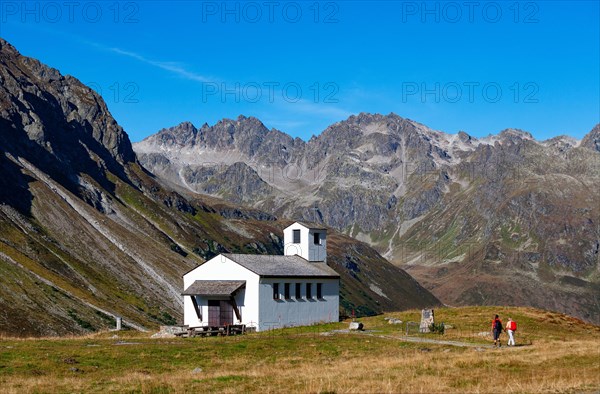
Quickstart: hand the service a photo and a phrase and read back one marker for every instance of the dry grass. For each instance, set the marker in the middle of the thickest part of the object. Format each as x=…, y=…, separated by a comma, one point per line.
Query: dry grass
x=304, y=360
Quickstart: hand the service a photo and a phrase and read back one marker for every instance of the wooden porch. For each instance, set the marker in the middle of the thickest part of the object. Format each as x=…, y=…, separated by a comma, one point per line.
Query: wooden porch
x=209, y=331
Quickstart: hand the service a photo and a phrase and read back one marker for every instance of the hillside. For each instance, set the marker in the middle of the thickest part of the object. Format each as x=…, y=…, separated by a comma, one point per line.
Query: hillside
x=87, y=234
x=477, y=221
x=554, y=353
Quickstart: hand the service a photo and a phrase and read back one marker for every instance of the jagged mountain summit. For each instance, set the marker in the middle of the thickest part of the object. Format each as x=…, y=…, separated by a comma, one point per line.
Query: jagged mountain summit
x=87, y=234
x=592, y=139
x=501, y=219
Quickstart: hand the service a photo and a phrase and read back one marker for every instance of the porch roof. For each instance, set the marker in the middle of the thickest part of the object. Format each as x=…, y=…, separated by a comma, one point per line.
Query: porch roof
x=214, y=287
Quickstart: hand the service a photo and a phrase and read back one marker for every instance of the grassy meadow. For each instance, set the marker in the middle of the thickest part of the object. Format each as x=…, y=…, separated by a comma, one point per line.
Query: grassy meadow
x=555, y=353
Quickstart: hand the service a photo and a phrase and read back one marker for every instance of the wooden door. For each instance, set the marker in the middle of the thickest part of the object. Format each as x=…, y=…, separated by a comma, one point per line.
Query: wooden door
x=220, y=313
x=226, y=313
x=214, y=313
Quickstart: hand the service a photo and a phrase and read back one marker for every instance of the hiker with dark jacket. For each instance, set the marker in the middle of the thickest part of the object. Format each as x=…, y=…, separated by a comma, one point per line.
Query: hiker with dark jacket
x=497, y=330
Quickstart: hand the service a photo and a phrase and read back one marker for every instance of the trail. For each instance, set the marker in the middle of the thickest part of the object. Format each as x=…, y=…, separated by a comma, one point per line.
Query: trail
x=427, y=340
x=405, y=338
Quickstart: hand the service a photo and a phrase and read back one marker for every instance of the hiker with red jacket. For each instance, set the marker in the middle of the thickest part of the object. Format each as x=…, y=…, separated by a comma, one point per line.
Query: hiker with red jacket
x=497, y=330
x=511, y=327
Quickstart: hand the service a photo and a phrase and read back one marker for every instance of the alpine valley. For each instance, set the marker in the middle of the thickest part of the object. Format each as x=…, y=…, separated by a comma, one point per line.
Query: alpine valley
x=88, y=234
x=501, y=220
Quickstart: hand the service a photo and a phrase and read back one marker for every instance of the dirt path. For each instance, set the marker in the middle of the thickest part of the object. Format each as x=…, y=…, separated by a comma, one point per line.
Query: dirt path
x=405, y=338
x=428, y=340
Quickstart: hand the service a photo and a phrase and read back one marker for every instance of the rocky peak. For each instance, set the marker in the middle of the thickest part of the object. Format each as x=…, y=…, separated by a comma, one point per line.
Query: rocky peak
x=58, y=113
x=464, y=137
x=364, y=124
x=562, y=143
x=186, y=128
x=592, y=139
x=242, y=124
x=234, y=133
x=365, y=118
x=180, y=135
x=5, y=47
x=515, y=135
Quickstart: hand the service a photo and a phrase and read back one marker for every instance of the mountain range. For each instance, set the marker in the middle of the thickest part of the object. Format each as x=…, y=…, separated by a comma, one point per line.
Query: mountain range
x=87, y=234
x=504, y=219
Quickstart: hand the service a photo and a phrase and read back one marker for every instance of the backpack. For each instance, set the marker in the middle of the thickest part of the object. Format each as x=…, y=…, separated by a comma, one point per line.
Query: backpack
x=498, y=325
x=513, y=326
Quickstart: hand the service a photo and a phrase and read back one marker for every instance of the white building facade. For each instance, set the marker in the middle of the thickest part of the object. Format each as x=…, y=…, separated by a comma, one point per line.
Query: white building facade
x=266, y=291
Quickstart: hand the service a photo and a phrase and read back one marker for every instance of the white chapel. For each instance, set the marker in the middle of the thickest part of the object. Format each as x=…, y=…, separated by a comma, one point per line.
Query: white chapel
x=266, y=291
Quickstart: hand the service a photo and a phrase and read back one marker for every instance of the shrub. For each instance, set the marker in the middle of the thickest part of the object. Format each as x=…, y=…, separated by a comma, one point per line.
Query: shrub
x=437, y=328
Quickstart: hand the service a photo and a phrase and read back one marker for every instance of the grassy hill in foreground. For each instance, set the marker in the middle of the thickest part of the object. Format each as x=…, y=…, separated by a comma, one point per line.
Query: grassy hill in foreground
x=555, y=353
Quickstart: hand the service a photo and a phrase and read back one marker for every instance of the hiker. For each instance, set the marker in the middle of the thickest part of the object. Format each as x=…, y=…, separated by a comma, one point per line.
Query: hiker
x=497, y=330
x=511, y=327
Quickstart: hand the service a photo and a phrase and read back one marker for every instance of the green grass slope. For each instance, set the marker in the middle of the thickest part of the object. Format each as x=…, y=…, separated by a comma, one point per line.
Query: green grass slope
x=555, y=353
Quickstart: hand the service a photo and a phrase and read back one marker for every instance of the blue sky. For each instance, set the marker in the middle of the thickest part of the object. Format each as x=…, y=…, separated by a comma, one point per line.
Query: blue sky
x=299, y=66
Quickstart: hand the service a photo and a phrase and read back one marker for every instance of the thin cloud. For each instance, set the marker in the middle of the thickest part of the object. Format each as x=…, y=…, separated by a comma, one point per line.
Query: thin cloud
x=172, y=67
x=168, y=66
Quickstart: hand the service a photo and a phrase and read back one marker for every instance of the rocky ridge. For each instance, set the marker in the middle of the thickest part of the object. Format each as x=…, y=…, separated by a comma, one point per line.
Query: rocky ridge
x=462, y=214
